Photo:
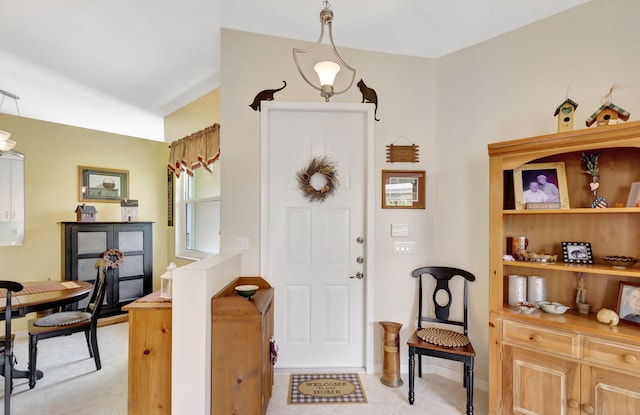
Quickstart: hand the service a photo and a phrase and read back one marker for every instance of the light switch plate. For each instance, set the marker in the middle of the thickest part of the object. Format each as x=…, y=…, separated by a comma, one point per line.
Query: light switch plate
x=402, y=247
x=399, y=229
x=242, y=244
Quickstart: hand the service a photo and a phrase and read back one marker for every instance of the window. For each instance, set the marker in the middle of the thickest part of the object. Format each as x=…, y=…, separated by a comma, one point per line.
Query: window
x=198, y=213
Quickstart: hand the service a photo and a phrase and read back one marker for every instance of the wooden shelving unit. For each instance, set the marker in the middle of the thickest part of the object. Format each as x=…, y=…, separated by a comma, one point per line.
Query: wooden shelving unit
x=530, y=356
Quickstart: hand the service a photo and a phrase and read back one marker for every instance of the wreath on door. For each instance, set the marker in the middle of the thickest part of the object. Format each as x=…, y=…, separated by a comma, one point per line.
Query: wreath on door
x=325, y=167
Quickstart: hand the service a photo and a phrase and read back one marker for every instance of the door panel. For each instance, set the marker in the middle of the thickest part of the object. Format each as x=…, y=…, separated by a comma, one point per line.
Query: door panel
x=310, y=248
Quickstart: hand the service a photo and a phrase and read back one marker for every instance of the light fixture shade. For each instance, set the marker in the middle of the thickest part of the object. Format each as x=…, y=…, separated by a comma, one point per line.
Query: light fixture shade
x=326, y=89
x=7, y=145
x=4, y=135
x=327, y=72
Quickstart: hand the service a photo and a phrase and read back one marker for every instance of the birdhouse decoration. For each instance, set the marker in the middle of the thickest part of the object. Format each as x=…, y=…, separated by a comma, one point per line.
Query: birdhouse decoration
x=608, y=113
x=565, y=113
x=86, y=213
x=129, y=210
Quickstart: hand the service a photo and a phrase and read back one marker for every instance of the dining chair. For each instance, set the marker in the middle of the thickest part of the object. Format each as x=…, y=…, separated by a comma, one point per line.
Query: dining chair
x=68, y=322
x=6, y=346
x=443, y=336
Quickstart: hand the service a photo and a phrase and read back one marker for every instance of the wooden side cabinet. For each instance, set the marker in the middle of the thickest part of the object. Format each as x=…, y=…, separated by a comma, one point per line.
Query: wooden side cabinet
x=241, y=368
x=570, y=364
x=149, y=390
x=86, y=242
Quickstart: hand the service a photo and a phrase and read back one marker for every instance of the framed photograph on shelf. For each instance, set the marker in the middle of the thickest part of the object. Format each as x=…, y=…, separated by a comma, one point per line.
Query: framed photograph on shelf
x=541, y=186
x=634, y=195
x=628, y=308
x=403, y=189
x=97, y=184
x=577, y=252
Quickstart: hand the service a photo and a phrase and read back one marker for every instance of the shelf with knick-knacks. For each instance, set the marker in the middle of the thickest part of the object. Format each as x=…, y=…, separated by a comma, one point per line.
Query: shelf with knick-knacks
x=609, y=228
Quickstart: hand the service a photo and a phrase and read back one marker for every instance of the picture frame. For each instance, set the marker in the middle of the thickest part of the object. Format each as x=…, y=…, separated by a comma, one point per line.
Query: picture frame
x=98, y=184
x=528, y=185
x=628, y=305
x=403, y=189
x=634, y=195
x=577, y=252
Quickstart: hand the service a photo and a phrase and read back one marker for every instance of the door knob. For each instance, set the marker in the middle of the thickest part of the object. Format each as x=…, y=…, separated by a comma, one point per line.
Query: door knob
x=359, y=260
x=360, y=240
x=359, y=275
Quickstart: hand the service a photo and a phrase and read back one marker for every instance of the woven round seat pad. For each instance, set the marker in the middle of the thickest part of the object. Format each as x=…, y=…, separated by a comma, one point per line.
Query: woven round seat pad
x=63, y=319
x=442, y=337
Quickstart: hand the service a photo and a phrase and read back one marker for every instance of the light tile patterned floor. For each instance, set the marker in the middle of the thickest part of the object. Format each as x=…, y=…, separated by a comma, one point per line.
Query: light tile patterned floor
x=435, y=395
x=72, y=386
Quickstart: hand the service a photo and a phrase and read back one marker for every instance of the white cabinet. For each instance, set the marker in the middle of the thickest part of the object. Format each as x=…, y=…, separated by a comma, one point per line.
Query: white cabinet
x=11, y=198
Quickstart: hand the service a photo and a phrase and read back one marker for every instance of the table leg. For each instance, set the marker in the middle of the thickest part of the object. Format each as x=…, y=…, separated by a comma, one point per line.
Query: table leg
x=24, y=374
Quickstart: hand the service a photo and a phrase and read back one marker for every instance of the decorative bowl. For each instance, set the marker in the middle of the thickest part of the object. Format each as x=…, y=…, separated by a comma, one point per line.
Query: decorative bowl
x=525, y=307
x=553, y=307
x=617, y=261
x=536, y=257
x=246, y=291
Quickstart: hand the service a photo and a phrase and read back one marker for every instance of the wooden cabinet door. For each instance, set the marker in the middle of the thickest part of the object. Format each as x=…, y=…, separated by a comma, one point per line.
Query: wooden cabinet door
x=539, y=384
x=606, y=392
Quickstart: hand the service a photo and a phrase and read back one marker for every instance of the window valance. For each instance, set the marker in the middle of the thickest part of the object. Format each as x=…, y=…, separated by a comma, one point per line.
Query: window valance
x=195, y=150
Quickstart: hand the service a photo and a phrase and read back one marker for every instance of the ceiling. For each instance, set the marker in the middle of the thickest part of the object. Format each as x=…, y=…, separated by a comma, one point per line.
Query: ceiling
x=121, y=66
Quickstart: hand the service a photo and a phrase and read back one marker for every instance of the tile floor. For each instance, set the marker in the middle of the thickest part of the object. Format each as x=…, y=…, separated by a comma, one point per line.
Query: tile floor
x=72, y=386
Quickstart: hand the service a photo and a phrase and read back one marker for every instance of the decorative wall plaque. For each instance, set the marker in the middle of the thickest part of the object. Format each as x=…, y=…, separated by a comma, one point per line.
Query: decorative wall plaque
x=399, y=154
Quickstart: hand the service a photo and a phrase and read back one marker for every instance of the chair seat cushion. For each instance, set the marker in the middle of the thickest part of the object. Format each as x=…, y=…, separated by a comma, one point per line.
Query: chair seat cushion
x=64, y=318
x=442, y=337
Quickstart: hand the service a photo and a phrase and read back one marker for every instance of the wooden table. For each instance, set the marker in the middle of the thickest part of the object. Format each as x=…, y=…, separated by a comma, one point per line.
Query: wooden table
x=44, y=295
x=40, y=296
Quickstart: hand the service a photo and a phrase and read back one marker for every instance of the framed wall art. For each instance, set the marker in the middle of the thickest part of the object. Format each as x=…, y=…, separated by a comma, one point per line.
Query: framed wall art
x=577, y=252
x=634, y=195
x=403, y=189
x=97, y=184
x=541, y=186
x=628, y=308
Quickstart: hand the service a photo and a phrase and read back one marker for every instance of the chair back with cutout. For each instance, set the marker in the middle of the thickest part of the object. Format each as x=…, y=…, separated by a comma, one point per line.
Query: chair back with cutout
x=99, y=289
x=442, y=276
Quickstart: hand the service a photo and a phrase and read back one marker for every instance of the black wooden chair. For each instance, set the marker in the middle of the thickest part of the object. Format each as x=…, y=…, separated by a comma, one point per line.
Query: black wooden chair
x=6, y=344
x=436, y=340
x=69, y=322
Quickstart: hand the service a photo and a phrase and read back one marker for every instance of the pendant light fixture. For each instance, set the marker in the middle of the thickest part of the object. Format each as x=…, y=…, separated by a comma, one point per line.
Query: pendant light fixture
x=6, y=143
x=326, y=70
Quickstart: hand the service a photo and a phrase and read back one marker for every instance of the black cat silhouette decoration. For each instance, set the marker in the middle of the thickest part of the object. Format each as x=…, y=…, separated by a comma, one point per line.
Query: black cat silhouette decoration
x=369, y=95
x=266, y=95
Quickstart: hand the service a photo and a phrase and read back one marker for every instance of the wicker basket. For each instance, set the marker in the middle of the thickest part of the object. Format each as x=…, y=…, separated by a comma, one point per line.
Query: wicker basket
x=108, y=183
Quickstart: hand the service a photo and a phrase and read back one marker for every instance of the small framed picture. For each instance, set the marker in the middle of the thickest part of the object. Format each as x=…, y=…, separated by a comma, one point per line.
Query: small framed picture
x=577, y=252
x=629, y=302
x=541, y=186
x=634, y=195
x=403, y=189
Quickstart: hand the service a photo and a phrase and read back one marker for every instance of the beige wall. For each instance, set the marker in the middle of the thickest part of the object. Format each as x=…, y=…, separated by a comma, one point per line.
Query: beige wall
x=53, y=153
x=504, y=88
x=193, y=117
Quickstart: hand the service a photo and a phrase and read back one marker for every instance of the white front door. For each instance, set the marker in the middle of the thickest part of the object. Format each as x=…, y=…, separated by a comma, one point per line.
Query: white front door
x=310, y=250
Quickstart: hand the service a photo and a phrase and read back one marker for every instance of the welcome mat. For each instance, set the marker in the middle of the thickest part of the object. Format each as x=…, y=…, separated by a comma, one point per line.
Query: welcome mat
x=325, y=388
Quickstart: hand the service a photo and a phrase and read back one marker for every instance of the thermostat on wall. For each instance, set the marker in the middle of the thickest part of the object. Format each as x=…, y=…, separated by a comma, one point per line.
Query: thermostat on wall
x=399, y=229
